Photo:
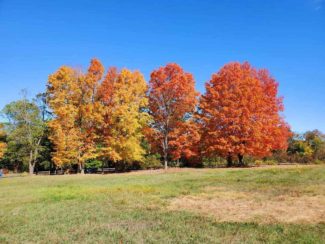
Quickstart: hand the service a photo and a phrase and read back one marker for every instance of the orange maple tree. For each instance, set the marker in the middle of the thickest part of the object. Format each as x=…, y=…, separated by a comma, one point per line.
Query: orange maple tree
x=172, y=101
x=240, y=114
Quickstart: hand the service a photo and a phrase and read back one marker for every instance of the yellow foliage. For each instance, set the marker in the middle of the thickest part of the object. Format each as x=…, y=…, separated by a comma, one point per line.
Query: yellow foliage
x=72, y=97
x=97, y=119
x=124, y=119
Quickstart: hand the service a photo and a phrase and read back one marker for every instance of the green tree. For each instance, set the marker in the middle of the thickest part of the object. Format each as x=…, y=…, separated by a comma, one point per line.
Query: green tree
x=316, y=140
x=25, y=131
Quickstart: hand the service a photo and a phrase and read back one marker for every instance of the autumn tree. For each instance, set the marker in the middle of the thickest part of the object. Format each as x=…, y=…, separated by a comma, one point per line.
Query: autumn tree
x=240, y=113
x=25, y=131
x=184, y=140
x=172, y=101
x=3, y=144
x=307, y=147
x=72, y=98
x=123, y=95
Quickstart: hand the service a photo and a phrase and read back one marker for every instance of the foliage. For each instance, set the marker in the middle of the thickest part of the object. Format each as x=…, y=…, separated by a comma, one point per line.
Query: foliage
x=172, y=101
x=88, y=118
x=25, y=132
x=72, y=98
x=93, y=163
x=239, y=113
x=317, y=161
x=214, y=162
x=307, y=147
x=123, y=96
x=260, y=162
x=151, y=161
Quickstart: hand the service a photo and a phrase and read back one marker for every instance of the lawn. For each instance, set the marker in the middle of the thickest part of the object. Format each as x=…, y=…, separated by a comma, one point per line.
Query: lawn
x=273, y=204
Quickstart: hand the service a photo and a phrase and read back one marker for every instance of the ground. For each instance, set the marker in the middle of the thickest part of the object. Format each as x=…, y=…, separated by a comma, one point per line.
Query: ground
x=272, y=204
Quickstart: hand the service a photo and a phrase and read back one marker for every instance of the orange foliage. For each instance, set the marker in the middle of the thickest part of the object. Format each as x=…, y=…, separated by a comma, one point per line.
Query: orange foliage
x=172, y=101
x=240, y=113
x=72, y=97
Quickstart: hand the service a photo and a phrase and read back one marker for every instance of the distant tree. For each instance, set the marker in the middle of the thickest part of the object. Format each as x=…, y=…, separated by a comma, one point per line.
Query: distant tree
x=307, y=147
x=45, y=158
x=42, y=103
x=72, y=98
x=123, y=95
x=316, y=140
x=298, y=145
x=172, y=101
x=25, y=131
x=240, y=114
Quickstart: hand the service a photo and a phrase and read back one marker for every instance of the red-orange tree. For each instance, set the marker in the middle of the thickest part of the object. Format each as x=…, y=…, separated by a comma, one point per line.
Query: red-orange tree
x=240, y=114
x=172, y=101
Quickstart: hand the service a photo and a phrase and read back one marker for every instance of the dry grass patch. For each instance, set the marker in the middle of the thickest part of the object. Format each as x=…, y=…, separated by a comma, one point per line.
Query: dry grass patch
x=239, y=206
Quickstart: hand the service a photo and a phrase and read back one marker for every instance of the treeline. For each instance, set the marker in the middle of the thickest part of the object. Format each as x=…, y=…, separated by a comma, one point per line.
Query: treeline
x=114, y=118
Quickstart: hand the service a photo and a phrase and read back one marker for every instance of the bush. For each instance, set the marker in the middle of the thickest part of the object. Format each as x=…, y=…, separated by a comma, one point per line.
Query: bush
x=317, y=161
x=258, y=162
x=151, y=161
x=270, y=162
x=214, y=162
x=93, y=163
x=44, y=165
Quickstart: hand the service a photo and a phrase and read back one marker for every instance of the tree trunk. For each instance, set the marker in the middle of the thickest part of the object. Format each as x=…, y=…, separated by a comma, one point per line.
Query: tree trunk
x=31, y=169
x=241, y=160
x=30, y=163
x=81, y=168
x=229, y=160
x=165, y=149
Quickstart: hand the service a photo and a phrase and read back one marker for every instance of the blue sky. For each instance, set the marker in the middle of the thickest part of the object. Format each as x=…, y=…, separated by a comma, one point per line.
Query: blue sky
x=285, y=36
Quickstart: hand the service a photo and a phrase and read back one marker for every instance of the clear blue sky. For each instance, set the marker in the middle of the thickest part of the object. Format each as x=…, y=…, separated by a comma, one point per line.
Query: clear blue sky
x=285, y=36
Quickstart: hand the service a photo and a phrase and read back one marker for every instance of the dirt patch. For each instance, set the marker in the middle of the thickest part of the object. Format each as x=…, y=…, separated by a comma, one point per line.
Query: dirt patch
x=234, y=206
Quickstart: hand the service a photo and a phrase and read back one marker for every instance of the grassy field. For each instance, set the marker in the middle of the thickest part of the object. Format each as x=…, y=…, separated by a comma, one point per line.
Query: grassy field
x=274, y=205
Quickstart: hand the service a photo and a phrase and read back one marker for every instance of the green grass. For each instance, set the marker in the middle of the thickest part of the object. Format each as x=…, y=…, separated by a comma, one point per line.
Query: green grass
x=134, y=208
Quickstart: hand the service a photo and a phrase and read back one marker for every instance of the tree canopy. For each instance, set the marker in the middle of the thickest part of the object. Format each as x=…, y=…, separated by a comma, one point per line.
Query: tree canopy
x=240, y=113
x=95, y=117
x=172, y=101
x=25, y=131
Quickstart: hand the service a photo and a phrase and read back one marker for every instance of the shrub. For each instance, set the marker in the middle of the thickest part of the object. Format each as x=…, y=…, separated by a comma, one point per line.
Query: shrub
x=258, y=162
x=214, y=162
x=270, y=162
x=151, y=161
x=93, y=163
x=317, y=161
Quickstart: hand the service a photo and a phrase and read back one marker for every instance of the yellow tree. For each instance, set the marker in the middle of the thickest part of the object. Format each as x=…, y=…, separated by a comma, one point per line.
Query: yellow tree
x=62, y=93
x=123, y=95
x=3, y=145
x=72, y=97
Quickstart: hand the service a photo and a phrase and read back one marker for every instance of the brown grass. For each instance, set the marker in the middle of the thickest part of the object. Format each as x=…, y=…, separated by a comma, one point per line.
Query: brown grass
x=235, y=206
x=262, y=167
